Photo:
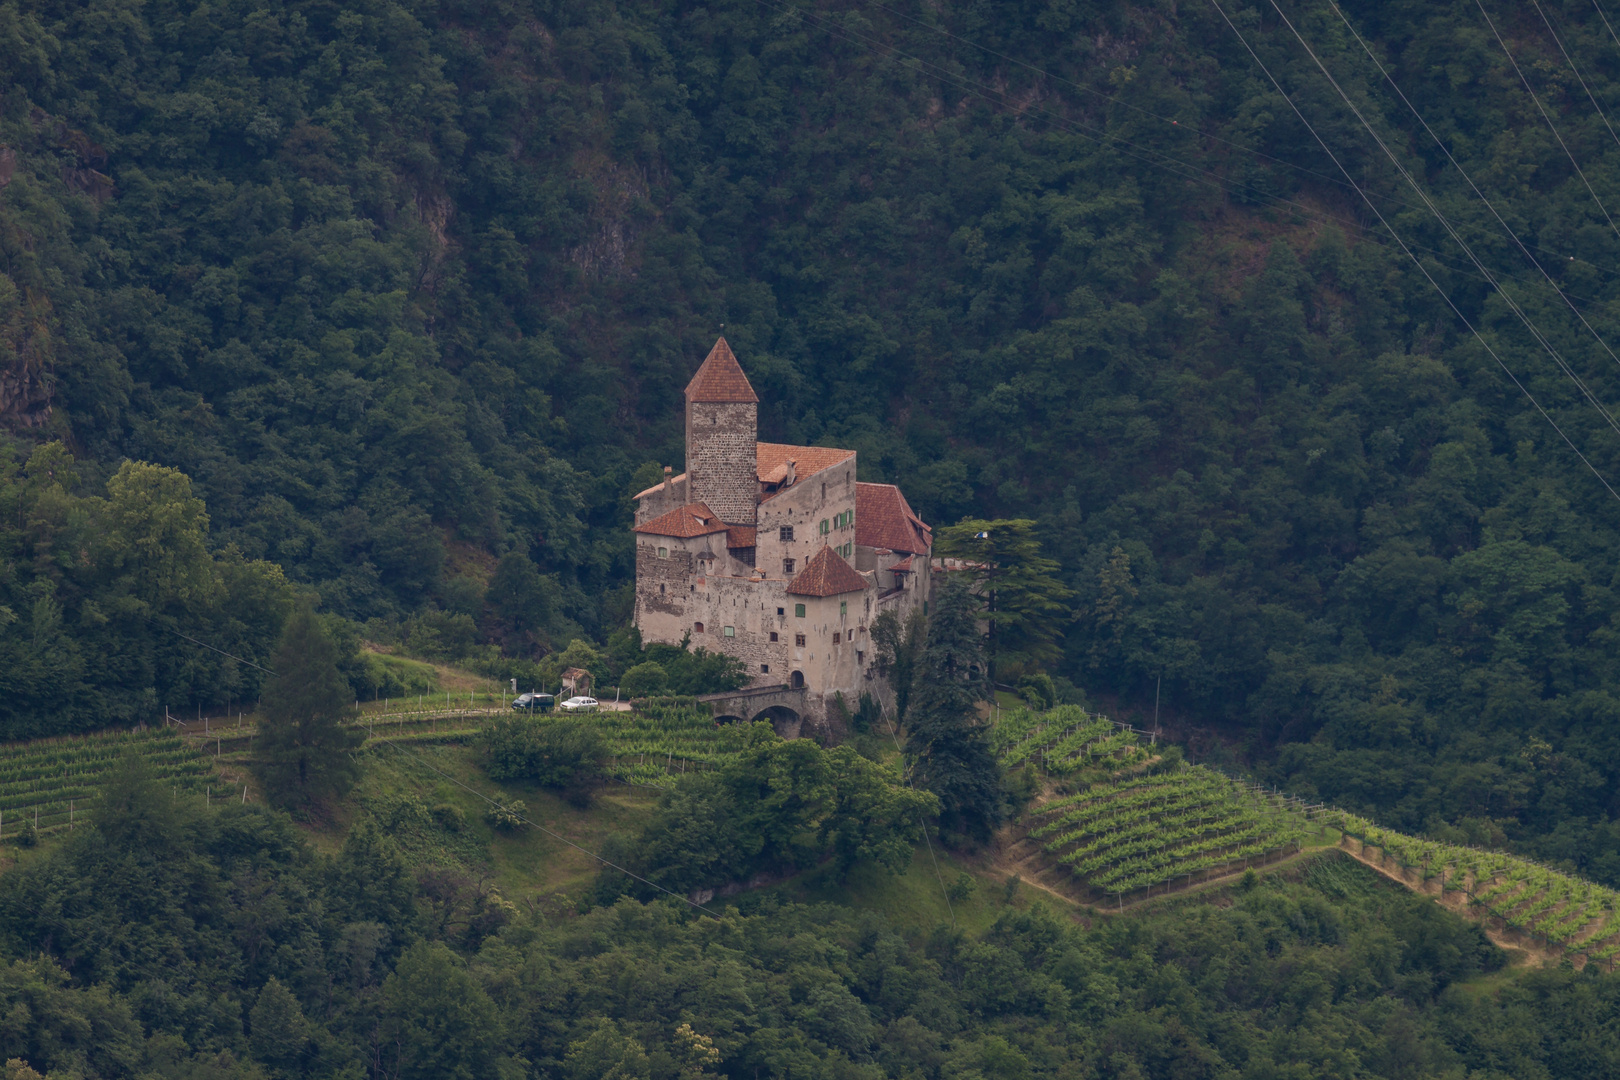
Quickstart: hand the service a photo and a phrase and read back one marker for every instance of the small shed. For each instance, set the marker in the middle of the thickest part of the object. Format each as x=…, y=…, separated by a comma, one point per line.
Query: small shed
x=576, y=680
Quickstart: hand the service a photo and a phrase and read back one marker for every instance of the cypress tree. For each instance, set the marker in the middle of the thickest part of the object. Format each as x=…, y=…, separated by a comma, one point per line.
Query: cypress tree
x=946, y=744
x=304, y=748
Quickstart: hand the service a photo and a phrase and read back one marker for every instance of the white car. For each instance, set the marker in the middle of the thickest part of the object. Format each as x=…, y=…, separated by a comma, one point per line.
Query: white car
x=579, y=704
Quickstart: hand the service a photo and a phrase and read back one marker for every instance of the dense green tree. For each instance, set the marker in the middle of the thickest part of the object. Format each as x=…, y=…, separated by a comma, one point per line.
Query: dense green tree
x=1023, y=596
x=439, y=1023
x=562, y=755
x=946, y=746
x=899, y=644
x=304, y=752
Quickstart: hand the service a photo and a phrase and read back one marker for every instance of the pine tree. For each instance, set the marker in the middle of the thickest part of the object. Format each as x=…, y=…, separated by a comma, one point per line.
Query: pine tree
x=946, y=745
x=304, y=749
x=1024, y=603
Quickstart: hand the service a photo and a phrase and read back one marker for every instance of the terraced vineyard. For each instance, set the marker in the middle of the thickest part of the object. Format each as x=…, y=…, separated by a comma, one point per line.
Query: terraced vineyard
x=1064, y=741
x=51, y=783
x=663, y=739
x=1140, y=832
x=1553, y=908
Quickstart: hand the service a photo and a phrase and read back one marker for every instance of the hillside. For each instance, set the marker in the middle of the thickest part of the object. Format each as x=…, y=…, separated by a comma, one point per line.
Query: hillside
x=408, y=292
x=475, y=949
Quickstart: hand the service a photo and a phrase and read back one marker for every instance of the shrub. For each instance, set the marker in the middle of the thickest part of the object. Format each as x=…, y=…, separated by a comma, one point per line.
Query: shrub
x=644, y=680
x=562, y=755
x=507, y=815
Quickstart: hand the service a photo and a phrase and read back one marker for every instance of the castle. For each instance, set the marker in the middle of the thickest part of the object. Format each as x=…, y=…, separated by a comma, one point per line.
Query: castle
x=773, y=554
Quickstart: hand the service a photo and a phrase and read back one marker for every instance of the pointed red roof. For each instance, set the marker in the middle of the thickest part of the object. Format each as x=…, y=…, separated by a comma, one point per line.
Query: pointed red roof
x=721, y=378
x=826, y=574
x=693, y=519
x=883, y=519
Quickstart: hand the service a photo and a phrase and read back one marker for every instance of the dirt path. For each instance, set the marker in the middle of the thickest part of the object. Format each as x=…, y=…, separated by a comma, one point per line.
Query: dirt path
x=1456, y=902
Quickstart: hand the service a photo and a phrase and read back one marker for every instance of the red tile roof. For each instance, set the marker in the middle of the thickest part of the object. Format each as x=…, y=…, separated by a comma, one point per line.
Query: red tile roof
x=720, y=378
x=807, y=460
x=826, y=574
x=770, y=464
x=681, y=479
x=741, y=536
x=883, y=519
x=693, y=519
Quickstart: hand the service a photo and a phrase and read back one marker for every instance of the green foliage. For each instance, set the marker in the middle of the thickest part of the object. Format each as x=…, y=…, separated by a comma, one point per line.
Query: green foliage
x=1022, y=594
x=567, y=756
x=947, y=747
x=99, y=596
x=232, y=948
x=439, y=1021
x=385, y=676
x=305, y=749
x=644, y=680
x=778, y=807
x=898, y=648
x=391, y=283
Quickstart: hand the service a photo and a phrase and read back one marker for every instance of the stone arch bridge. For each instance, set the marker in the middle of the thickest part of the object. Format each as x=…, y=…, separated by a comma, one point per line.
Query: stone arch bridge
x=783, y=706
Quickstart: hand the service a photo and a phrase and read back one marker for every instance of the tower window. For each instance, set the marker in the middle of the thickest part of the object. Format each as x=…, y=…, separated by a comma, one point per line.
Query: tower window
x=660, y=590
x=798, y=611
x=785, y=533
x=798, y=639
x=663, y=553
x=787, y=566
x=843, y=607
x=697, y=628
x=824, y=528
x=860, y=657
x=781, y=611
x=728, y=631
x=764, y=669
x=773, y=635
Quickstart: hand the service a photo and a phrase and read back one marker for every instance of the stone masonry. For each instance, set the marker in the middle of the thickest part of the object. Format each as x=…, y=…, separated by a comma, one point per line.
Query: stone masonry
x=753, y=550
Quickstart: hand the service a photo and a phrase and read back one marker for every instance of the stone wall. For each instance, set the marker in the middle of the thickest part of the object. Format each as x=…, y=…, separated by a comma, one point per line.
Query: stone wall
x=721, y=463
x=817, y=498
x=663, y=588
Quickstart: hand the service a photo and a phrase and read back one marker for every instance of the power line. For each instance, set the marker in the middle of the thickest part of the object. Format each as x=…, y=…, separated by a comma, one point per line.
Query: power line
x=1159, y=158
x=1560, y=43
x=222, y=652
x=1488, y=205
x=1542, y=109
x=1445, y=223
x=1115, y=99
x=1415, y=260
x=946, y=893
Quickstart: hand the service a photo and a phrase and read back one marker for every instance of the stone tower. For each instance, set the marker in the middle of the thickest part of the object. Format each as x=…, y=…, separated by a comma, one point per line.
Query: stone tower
x=722, y=426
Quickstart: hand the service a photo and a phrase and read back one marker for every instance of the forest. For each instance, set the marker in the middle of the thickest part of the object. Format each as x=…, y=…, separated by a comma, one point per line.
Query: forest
x=1287, y=323
x=407, y=293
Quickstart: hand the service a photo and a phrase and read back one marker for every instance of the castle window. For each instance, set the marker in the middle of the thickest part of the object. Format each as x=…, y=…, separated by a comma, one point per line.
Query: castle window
x=697, y=628
x=729, y=631
x=764, y=669
x=663, y=553
x=798, y=611
x=843, y=608
x=785, y=533
x=781, y=611
x=787, y=566
x=660, y=590
x=825, y=526
x=773, y=635
x=798, y=639
x=860, y=657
